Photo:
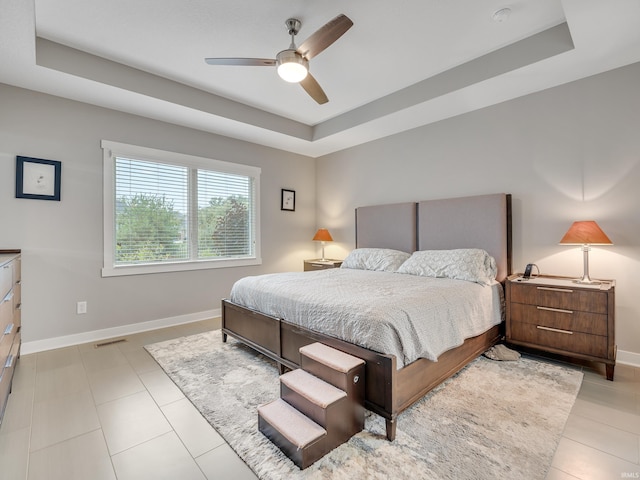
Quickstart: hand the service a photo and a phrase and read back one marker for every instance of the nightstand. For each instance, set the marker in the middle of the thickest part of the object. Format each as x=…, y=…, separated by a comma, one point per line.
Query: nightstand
x=321, y=264
x=556, y=315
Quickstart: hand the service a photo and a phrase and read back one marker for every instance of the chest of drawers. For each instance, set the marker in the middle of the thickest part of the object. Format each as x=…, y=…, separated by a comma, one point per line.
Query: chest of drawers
x=310, y=265
x=10, y=303
x=559, y=316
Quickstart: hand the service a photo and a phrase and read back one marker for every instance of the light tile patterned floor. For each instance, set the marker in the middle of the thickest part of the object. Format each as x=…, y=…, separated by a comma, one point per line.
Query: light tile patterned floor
x=82, y=413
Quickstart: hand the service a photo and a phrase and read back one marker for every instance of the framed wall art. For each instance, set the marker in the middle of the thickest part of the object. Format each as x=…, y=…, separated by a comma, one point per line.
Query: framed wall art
x=37, y=178
x=288, y=200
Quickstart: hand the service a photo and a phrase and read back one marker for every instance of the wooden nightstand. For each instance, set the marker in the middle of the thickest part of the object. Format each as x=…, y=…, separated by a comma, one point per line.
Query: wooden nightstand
x=556, y=315
x=321, y=264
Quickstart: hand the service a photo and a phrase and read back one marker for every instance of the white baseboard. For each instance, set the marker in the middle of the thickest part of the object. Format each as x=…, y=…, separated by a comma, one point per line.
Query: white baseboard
x=95, y=335
x=628, y=358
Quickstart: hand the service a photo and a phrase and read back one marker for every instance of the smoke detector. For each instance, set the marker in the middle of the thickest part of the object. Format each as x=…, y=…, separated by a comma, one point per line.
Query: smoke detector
x=501, y=15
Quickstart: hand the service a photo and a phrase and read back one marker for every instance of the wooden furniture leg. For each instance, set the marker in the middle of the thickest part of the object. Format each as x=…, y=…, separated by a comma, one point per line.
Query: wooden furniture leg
x=391, y=428
x=610, y=368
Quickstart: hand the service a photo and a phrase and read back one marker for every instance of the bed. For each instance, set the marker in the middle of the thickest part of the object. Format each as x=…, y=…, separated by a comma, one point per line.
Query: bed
x=394, y=380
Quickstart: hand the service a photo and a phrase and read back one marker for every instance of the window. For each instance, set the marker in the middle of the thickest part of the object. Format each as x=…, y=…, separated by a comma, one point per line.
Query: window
x=167, y=212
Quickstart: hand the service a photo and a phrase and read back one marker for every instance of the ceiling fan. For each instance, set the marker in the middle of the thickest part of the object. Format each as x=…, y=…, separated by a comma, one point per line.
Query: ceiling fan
x=293, y=63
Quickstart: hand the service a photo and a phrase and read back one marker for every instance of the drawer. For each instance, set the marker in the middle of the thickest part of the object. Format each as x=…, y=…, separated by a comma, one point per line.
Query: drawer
x=6, y=278
x=17, y=316
x=575, y=342
x=6, y=311
x=593, y=301
x=575, y=321
x=7, y=369
x=17, y=270
x=310, y=265
x=6, y=341
x=17, y=294
x=6, y=375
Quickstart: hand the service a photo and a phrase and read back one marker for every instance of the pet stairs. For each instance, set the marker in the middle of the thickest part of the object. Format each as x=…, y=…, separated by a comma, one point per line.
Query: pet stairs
x=320, y=405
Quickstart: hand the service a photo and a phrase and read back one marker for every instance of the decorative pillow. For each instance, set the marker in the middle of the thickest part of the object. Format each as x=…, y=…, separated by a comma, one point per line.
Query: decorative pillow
x=471, y=264
x=382, y=259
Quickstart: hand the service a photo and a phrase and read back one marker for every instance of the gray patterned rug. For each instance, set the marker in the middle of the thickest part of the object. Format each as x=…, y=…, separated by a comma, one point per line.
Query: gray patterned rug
x=493, y=420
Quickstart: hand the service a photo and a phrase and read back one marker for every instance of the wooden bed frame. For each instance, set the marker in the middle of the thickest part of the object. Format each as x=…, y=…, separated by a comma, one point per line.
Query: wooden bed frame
x=468, y=222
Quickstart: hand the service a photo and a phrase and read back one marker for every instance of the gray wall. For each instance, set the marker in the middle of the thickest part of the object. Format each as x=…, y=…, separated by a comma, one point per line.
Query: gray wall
x=568, y=153
x=62, y=241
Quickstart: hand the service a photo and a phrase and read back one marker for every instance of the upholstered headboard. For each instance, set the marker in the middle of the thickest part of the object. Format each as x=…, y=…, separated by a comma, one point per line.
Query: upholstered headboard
x=482, y=221
x=387, y=226
x=468, y=222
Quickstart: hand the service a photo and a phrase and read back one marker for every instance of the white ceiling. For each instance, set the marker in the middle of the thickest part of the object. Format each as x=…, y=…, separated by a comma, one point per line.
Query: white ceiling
x=402, y=64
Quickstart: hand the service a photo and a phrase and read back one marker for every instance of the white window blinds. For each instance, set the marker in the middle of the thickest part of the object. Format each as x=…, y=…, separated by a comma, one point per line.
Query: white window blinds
x=151, y=212
x=225, y=221
x=166, y=211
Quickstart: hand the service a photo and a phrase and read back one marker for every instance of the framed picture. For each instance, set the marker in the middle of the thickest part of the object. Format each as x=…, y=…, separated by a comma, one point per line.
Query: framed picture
x=37, y=178
x=288, y=200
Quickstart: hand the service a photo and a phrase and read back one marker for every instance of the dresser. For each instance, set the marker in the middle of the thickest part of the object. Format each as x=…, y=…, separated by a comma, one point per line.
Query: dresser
x=555, y=314
x=321, y=264
x=10, y=298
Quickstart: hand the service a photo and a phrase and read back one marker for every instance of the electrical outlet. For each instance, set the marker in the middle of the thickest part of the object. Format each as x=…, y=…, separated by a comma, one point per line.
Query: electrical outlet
x=81, y=307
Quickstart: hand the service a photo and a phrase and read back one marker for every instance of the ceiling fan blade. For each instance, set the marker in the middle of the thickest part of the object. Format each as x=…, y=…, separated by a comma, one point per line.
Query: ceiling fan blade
x=325, y=36
x=313, y=88
x=242, y=62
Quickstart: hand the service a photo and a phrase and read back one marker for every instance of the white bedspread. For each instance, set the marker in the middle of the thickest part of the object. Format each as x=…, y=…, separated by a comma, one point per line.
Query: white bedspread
x=404, y=315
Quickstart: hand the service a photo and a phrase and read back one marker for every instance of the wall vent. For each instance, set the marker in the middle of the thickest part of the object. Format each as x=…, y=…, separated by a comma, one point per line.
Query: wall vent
x=110, y=342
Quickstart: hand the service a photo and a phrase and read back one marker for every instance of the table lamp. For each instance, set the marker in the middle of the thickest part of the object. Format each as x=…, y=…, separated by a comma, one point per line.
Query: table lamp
x=585, y=233
x=323, y=235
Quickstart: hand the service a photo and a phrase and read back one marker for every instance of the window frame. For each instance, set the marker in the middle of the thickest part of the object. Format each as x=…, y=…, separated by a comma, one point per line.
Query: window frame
x=111, y=150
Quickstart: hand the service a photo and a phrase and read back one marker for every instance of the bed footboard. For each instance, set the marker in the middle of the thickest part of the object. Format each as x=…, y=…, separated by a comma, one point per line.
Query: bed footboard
x=388, y=391
x=281, y=341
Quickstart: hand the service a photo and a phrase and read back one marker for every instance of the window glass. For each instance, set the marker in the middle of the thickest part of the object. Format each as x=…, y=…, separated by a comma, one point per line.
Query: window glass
x=166, y=211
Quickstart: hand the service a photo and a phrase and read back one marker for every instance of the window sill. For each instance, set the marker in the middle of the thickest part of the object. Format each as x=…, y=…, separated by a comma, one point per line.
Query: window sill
x=177, y=267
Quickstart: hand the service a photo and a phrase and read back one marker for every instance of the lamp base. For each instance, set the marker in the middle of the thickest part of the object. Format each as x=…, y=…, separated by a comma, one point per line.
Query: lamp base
x=588, y=281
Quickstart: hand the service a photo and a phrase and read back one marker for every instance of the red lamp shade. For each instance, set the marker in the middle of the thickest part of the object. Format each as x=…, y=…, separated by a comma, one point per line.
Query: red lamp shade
x=585, y=232
x=323, y=235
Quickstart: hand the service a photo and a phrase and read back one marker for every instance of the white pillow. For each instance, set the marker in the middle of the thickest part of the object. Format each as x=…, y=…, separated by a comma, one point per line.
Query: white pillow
x=381, y=259
x=471, y=264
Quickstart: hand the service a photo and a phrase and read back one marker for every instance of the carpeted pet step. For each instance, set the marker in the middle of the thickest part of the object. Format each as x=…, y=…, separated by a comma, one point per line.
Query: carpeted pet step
x=344, y=372
x=312, y=388
x=340, y=369
x=300, y=438
x=333, y=366
x=323, y=403
x=332, y=358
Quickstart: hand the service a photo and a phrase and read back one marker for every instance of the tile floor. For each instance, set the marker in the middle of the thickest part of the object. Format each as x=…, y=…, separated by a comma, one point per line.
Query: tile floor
x=82, y=412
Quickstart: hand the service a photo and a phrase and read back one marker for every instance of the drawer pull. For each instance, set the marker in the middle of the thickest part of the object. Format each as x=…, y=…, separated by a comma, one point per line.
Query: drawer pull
x=9, y=362
x=557, y=330
x=551, y=289
x=9, y=329
x=559, y=310
x=8, y=297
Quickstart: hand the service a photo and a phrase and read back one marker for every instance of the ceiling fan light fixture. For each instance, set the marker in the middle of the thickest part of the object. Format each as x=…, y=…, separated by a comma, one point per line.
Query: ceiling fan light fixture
x=291, y=66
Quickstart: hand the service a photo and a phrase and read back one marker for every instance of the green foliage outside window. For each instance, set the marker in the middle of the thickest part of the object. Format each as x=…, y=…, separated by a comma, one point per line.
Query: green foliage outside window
x=149, y=229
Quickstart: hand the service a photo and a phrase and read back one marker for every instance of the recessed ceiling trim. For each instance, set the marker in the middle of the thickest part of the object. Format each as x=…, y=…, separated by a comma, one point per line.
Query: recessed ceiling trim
x=75, y=62
x=544, y=45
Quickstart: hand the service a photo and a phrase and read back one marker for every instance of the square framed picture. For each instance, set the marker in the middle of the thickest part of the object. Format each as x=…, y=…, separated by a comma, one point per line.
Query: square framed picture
x=288, y=200
x=37, y=178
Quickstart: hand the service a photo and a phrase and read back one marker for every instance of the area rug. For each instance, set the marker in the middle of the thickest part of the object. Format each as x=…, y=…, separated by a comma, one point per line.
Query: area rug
x=493, y=420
